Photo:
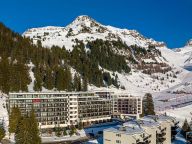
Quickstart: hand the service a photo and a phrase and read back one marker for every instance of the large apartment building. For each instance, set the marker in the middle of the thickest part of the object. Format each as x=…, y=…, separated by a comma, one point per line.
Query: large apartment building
x=148, y=130
x=70, y=108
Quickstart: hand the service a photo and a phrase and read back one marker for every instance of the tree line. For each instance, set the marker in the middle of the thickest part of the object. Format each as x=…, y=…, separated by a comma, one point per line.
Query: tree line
x=52, y=66
x=25, y=127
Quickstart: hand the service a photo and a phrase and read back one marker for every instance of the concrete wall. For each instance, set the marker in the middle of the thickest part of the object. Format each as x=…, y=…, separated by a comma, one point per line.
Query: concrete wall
x=114, y=138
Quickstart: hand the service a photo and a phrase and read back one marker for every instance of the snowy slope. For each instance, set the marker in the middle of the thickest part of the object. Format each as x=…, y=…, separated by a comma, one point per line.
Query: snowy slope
x=181, y=113
x=85, y=28
x=185, y=86
x=172, y=57
x=186, y=53
x=3, y=111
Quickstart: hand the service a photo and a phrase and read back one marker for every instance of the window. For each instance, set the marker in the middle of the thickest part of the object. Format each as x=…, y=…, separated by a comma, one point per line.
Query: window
x=118, y=141
x=118, y=135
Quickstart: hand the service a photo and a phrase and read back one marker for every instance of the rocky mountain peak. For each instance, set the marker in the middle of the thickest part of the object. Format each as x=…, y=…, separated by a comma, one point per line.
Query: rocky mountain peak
x=189, y=42
x=87, y=29
x=84, y=18
x=84, y=21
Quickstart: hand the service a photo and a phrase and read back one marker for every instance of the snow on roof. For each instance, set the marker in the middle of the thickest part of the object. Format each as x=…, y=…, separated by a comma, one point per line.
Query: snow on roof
x=129, y=128
x=148, y=123
x=159, y=118
x=126, y=130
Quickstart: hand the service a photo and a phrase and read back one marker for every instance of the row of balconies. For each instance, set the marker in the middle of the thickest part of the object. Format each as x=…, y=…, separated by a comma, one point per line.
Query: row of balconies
x=55, y=104
x=94, y=111
x=93, y=107
x=161, y=136
x=93, y=115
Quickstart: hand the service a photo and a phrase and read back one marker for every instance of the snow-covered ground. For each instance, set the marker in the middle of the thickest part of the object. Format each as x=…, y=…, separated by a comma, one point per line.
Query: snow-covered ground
x=31, y=74
x=178, y=56
x=3, y=111
x=173, y=99
x=181, y=113
x=82, y=133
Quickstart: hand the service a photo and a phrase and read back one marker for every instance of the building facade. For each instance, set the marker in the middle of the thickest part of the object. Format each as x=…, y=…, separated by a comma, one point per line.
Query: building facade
x=70, y=108
x=125, y=105
x=148, y=130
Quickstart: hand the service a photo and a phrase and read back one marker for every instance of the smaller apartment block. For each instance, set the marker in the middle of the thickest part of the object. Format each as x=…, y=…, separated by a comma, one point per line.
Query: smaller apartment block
x=126, y=105
x=148, y=130
x=70, y=108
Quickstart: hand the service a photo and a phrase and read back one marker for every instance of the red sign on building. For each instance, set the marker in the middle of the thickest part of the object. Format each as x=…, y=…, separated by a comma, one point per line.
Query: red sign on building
x=36, y=100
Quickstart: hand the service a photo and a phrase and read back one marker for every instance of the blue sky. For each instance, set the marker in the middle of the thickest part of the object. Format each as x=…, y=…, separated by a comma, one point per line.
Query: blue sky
x=164, y=20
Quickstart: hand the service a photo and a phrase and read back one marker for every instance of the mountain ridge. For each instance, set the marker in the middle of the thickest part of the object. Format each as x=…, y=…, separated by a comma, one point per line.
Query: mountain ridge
x=86, y=29
x=82, y=25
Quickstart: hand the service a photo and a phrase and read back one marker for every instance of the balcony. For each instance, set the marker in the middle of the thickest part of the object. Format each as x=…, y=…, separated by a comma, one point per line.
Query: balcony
x=161, y=135
x=160, y=140
x=162, y=130
x=145, y=138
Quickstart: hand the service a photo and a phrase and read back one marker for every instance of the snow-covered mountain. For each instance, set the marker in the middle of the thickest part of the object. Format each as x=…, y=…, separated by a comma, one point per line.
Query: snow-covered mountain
x=87, y=29
x=189, y=43
x=179, y=56
x=186, y=53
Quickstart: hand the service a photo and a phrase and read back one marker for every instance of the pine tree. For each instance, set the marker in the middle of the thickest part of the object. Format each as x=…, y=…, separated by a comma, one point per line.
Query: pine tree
x=148, y=105
x=49, y=79
x=22, y=135
x=60, y=82
x=2, y=132
x=68, y=79
x=64, y=131
x=85, y=83
x=80, y=125
x=58, y=131
x=27, y=130
x=72, y=130
x=185, y=128
x=115, y=81
x=33, y=130
x=14, y=118
x=38, y=80
x=107, y=78
x=4, y=75
x=77, y=82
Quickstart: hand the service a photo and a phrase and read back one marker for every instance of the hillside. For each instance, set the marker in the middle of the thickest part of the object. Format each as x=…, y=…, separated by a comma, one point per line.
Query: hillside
x=86, y=29
x=85, y=55
x=145, y=65
x=186, y=52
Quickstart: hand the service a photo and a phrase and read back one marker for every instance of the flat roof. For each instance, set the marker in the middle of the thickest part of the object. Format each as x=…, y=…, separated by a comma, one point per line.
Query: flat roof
x=129, y=128
x=159, y=118
x=54, y=92
x=148, y=123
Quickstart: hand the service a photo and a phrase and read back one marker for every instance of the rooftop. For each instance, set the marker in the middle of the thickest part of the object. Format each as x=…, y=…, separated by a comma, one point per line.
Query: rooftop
x=129, y=128
x=148, y=123
x=159, y=118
